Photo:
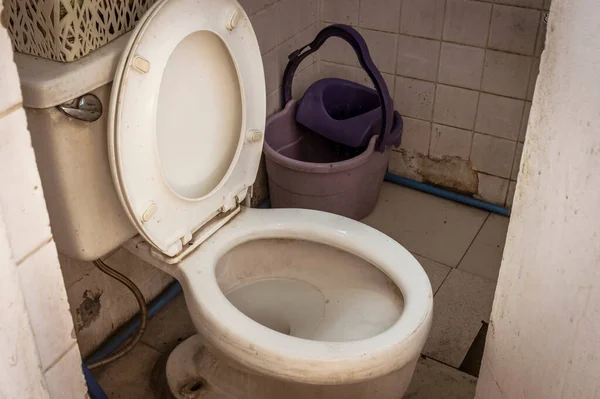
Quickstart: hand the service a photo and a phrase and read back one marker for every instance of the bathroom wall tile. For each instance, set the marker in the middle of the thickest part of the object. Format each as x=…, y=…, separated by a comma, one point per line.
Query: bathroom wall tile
x=304, y=79
x=398, y=165
x=447, y=141
x=331, y=70
x=414, y=97
x=274, y=102
x=455, y=106
x=65, y=378
x=271, y=69
x=415, y=135
x=436, y=272
x=266, y=27
x=461, y=65
x=286, y=48
x=540, y=42
x=47, y=304
x=73, y=269
x=460, y=305
x=295, y=16
x=361, y=77
x=339, y=51
x=506, y=74
x=535, y=71
x=492, y=155
x=170, y=326
x=429, y=226
x=11, y=89
x=424, y=18
x=485, y=254
x=467, y=22
x=382, y=47
x=117, y=379
x=340, y=11
x=517, y=161
x=511, y=193
x=492, y=189
x=417, y=57
x=514, y=29
x=23, y=204
x=522, y=3
x=499, y=116
x=524, y=122
x=380, y=15
x=436, y=380
x=254, y=6
x=21, y=375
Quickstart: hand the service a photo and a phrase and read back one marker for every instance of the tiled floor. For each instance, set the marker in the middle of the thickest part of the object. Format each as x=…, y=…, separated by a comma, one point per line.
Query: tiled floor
x=459, y=247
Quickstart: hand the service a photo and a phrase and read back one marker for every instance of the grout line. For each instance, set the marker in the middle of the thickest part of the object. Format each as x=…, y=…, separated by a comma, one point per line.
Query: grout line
x=480, y=91
x=471, y=244
x=444, y=363
x=437, y=77
x=34, y=251
x=446, y=84
x=11, y=109
x=59, y=358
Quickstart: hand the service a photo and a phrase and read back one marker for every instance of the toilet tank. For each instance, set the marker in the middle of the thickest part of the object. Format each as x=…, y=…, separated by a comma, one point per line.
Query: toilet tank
x=86, y=216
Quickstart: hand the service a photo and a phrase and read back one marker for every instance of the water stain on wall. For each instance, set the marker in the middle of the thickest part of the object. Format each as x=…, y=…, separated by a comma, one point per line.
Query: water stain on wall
x=89, y=310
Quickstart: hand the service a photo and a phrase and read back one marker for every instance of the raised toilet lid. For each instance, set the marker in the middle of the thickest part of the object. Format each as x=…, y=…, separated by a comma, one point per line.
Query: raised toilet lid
x=186, y=118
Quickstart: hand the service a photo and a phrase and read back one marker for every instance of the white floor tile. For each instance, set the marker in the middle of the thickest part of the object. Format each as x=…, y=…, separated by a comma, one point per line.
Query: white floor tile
x=169, y=326
x=129, y=377
x=430, y=226
x=434, y=380
x=435, y=271
x=460, y=305
x=485, y=254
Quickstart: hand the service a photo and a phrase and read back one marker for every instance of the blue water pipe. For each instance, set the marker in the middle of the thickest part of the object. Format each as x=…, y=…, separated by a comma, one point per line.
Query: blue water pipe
x=132, y=325
x=452, y=196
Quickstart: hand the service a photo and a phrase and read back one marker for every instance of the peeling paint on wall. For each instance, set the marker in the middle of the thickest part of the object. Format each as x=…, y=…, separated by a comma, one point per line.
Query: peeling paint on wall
x=89, y=310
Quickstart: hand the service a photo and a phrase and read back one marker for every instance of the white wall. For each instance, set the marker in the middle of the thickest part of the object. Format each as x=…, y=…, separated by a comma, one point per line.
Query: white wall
x=39, y=357
x=544, y=337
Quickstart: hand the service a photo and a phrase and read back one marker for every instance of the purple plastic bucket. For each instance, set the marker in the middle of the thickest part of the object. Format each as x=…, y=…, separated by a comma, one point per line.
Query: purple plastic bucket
x=306, y=170
x=330, y=151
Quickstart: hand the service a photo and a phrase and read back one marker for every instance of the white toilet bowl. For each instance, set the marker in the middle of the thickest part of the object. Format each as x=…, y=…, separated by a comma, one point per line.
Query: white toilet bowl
x=298, y=300
x=308, y=297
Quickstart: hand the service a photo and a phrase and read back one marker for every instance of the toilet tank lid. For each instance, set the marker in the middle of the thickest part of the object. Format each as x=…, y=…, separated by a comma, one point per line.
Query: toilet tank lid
x=46, y=83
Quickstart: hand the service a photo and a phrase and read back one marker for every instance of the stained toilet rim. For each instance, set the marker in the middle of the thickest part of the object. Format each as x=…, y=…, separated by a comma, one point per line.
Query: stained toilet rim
x=316, y=362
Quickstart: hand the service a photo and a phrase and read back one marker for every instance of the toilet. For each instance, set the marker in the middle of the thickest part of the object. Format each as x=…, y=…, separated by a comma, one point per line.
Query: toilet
x=287, y=303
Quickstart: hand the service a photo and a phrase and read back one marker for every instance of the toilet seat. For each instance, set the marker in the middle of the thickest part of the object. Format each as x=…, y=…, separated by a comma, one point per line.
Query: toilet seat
x=266, y=351
x=186, y=119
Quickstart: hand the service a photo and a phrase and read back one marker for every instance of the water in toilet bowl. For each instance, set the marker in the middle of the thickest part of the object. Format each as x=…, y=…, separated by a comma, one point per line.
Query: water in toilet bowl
x=309, y=290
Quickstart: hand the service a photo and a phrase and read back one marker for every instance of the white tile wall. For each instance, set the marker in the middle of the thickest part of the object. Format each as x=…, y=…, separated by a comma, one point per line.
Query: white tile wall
x=35, y=325
x=20, y=371
x=461, y=66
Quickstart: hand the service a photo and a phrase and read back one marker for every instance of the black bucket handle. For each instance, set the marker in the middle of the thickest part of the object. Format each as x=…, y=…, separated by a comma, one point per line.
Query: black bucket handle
x=352, y=37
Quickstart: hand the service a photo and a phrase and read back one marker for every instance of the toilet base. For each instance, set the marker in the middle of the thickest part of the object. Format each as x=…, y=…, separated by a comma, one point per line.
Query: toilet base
x=192, y=372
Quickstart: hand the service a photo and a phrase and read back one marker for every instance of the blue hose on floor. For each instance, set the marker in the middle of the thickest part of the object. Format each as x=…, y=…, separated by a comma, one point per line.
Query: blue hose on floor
x=440, y=192
x=94, y=389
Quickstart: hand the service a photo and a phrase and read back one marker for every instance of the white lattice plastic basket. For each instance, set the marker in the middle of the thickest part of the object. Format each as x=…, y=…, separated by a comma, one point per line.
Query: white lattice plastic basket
x=65, y=30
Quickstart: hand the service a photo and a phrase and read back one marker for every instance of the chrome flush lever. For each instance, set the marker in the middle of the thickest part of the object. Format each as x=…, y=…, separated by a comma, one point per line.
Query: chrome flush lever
x=86, y=108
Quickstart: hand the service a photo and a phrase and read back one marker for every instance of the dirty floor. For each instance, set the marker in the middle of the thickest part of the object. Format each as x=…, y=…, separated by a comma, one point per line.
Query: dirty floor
x=459, y=247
